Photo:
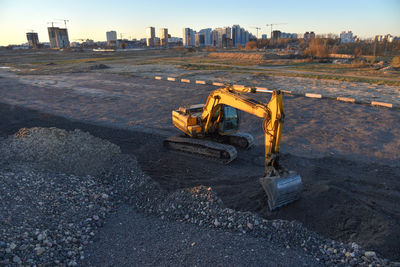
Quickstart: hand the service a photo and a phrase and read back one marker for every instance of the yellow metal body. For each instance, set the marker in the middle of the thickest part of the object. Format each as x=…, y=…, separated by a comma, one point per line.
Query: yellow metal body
x=198, y=121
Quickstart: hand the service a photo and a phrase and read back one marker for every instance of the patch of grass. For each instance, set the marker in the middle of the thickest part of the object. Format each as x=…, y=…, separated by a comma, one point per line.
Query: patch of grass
x=205, y=67
x=337, y=78
x=79, y=60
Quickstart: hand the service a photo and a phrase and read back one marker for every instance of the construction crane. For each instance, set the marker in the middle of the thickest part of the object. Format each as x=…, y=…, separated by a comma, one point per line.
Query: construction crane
x=257, y=28
x=272, y=24
x=52, y=23
x=65, y=21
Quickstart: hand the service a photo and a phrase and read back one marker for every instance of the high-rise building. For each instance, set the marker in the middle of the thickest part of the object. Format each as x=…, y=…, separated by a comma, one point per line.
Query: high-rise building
x=214, y=38
x=150, y=36
x=33, y=39
x=264, y=36
x=189, y=38
x=236, y=38
x=224, y=37
x=276, y=34
x=219, y=37
x=346, y=37
x=206, y=35
x=242, y=33
x=58, y=37
x=111, y=37
x=163, y=36
x=285, y=35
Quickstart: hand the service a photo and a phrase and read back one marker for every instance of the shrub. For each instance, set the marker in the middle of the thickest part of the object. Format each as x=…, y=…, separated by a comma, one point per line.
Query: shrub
x=396, y=62
x=251, y=45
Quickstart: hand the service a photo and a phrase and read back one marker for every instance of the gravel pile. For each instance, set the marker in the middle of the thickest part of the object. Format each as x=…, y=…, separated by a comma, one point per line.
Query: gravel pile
x=53, y=149
x=201, y=206
x=58, y=187
x=47, y=218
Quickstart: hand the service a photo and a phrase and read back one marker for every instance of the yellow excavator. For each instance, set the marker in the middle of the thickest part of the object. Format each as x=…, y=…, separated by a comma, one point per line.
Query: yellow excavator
x=211, y=130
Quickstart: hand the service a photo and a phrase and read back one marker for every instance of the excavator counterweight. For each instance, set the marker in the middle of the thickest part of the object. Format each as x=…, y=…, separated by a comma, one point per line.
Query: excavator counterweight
x=211, y=130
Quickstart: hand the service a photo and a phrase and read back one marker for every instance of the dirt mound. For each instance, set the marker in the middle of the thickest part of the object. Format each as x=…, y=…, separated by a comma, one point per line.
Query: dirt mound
x=54, y=149
x=238, y=56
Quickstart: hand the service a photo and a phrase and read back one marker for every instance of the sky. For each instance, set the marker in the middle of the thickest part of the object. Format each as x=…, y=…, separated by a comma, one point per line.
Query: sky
x=91, y=19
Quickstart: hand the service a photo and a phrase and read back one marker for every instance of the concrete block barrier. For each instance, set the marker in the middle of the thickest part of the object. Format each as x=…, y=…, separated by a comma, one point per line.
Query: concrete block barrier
x=382, y=104
x=313, y=95
x=217, y=84
x=286, y=92
x=346, y=99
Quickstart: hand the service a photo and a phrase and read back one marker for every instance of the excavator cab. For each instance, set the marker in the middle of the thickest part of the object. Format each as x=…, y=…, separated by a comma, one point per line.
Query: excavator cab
x=230, y=120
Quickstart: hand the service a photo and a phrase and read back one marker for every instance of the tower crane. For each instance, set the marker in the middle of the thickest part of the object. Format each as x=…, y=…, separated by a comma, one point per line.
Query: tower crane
x=257, y=28
x=52, y=23
x=65, y=21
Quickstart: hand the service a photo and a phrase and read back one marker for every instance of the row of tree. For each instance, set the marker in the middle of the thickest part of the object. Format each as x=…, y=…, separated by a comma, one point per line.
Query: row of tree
x=322, y=47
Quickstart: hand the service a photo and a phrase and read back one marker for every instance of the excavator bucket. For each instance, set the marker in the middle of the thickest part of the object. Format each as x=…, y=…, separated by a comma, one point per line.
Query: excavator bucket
x=281, y=190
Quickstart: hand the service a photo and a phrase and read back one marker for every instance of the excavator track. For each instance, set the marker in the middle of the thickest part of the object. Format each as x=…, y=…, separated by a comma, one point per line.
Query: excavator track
x=208, y=149
x=242, y=140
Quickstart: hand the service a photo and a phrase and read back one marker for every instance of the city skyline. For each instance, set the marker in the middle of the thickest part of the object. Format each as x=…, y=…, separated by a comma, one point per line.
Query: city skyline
x=364, y=18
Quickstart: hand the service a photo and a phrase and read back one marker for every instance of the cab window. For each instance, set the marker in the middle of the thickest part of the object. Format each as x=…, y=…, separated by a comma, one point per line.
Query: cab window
x=230, y=120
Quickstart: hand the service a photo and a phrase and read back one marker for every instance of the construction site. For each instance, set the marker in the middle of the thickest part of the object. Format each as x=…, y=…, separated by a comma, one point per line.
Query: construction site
x=96, y=128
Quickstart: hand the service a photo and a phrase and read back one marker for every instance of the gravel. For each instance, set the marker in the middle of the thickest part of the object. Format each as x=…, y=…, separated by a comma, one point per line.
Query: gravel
x=75, y=152
x=58, y=187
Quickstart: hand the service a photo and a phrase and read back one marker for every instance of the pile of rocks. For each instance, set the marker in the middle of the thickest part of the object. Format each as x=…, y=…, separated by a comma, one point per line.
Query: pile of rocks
x=201, y=206
x=57, y=188
x=47, y=217
x=58, y=150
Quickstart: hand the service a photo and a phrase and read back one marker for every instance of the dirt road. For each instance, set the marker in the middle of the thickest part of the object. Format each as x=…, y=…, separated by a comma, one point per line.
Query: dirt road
x=347, y=154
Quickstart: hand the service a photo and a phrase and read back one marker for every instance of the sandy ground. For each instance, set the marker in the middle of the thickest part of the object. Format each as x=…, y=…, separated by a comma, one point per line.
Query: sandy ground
x=346, y=153
x=362, y=92
x=202, y=66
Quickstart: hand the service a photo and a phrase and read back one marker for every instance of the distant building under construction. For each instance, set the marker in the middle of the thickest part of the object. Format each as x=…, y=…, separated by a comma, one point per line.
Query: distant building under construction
x=33, y=39
x=58, y=37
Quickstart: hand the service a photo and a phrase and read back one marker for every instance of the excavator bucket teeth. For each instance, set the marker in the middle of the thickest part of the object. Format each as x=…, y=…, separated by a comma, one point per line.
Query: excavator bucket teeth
x=281, y=190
